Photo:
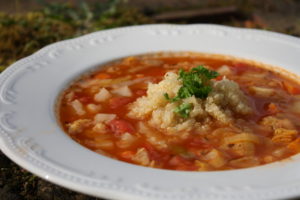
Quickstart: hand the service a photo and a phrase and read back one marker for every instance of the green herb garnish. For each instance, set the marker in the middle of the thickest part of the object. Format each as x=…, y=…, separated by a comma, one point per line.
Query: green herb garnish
x=194, y=83
x=184, y=109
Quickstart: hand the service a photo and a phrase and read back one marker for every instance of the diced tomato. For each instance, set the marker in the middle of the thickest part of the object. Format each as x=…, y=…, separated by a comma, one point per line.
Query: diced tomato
x=290, y=88
x=117, y=102
x=119, y=127
x=102, y=76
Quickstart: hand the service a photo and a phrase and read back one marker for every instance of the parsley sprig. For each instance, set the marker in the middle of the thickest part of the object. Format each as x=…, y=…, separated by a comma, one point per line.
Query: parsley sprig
x=194, y=83
x=184, y=109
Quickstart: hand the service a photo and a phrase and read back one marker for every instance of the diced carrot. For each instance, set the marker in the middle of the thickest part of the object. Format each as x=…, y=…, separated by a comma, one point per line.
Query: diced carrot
x=139, y=75
x=117, y=102
x=272, y=108
x=119, y=127
x=127, y=155
x=290, y=88
x=295, y=145
x=219, y=78
x=102, y=76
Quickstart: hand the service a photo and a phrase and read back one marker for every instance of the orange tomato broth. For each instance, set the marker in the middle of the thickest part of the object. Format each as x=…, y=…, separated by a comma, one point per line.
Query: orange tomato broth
x=182, y=155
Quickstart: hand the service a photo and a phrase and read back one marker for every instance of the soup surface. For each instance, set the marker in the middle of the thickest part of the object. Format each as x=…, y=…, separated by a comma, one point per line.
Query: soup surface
x=185, y=111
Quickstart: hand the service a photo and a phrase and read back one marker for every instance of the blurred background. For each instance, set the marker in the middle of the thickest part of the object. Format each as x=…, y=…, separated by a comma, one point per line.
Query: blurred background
x=28, y=25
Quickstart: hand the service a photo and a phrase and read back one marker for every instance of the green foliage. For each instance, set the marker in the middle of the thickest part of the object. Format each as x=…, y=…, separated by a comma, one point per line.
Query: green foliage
x=122, y=17
x=184, y=110
x=23, y=34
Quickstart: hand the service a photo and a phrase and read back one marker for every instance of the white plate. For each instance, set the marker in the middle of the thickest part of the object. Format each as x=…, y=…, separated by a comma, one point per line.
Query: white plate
x=30, y=135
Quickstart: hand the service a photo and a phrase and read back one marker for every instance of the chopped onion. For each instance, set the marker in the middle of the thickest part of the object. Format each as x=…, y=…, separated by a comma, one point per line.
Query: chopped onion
x=123, y=91
x=100, y=144
x=141, y=157
x=78, y=125
x=100, y=128
x=126, y=140
x=102, y=117
x=262, y=91
x=215, y=158
x=224, y=70
x=102, y=95
x=70, y=96
x=253, y=75
x=77, y=106
x=89, y=83
x=132, y=82
x=245, y=161
x=93, y=108
x=102, y=82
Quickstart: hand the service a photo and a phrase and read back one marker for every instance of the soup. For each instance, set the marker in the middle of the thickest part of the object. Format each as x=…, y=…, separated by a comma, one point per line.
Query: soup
x=185, y=111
